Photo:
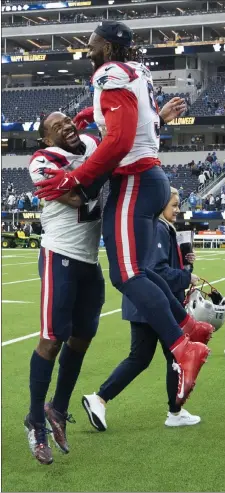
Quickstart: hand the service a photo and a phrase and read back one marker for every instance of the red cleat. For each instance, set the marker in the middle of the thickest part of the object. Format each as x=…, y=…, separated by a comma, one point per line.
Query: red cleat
x=190, y=356
x=197, y=331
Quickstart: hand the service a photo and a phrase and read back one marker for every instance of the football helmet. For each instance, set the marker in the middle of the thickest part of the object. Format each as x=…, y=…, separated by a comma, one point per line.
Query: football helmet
x=206, y=306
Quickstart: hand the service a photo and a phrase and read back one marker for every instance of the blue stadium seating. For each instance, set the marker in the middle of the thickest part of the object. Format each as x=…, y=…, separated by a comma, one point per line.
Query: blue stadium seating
x=29, y=103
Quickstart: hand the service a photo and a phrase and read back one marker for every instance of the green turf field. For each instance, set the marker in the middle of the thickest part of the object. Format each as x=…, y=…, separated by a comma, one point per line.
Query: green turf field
x=137, y=452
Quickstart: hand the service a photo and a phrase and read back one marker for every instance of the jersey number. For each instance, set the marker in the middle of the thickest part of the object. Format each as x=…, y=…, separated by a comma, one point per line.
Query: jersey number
x=85, y=216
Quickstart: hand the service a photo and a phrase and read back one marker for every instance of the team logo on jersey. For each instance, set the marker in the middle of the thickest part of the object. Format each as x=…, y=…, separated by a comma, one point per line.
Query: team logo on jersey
x=65, y=262
x=39, y=171
x=105, y=78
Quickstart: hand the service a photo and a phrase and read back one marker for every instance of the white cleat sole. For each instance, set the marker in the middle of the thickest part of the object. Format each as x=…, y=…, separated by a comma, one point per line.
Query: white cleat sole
x=93, y=418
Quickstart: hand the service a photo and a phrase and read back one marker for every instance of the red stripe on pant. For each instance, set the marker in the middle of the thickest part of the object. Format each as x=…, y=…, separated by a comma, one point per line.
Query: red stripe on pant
x=50, y=297
x=131, y=196
x=118, y=231
x=131, y=234
x=43, y=290
x=47, y=292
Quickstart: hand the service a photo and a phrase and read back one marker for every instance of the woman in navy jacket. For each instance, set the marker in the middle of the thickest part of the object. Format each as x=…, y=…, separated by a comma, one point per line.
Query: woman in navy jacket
x=168, y=264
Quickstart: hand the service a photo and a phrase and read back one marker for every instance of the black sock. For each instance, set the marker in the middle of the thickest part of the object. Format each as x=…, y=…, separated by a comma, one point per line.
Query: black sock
x=40, y=378
x=70, y=365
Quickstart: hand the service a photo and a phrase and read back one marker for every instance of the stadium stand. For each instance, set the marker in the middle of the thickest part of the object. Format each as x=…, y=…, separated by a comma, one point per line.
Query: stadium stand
x=211, y=101
x=27, y=104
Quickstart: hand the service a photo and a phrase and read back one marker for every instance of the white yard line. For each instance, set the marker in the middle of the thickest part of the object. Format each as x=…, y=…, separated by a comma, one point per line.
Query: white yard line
x=19, y=282
x=19, y=263
x=23, y=302
x=213, y=282
x=29, y=336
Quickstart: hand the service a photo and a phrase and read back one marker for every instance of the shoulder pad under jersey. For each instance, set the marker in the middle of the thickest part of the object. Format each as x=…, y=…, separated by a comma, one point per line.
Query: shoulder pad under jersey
x=114, y=75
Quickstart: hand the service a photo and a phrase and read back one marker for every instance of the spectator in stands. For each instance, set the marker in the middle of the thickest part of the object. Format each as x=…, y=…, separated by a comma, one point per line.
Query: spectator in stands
x=222, y=200
x=192, y=201
x=214, y=156
x=216, y=103
x=209, y=106
x=189, y=77
x=10, y=188
x=181, y=192
x=209, y=158
x=217, y=202
x=198, y=87
x=20, y=203
x=201, y=179
x=207, y=175
x=206, y=98
x=11, y=201
x=206, y=203
x=27, y=203
x=35, y=203
x=211, y=202
x=199, y=165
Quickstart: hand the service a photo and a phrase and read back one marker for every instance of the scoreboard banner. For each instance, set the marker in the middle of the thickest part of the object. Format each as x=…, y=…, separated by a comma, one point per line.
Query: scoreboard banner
x=182, y=121
x=76, y=54
x=198, y=120
x=81, y=53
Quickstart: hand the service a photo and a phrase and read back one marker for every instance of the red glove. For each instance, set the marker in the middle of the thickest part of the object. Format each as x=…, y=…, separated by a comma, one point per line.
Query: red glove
x=53, y=188
x=83, y=118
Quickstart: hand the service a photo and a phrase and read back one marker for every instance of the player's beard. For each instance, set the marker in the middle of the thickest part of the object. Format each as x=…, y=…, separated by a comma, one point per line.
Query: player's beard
x=98, y=61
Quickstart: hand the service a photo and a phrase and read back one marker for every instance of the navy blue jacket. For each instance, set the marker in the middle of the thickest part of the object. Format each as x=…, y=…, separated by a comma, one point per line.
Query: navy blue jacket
x=167, y=264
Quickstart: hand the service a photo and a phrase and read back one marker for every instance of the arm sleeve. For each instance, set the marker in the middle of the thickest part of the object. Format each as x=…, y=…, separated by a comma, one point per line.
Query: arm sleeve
x=177, y=279
x=121, y=125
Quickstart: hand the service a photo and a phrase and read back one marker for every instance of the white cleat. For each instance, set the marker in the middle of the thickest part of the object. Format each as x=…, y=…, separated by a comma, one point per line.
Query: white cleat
x=95, y=411
x=184, y=418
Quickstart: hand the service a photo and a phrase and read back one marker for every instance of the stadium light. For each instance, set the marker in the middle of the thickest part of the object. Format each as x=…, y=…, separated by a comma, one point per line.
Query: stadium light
x=63, y=71
x=40, y=73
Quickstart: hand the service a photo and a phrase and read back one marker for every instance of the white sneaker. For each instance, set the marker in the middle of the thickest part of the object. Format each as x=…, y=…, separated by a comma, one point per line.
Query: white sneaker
x=95, y=411
x=184, y=418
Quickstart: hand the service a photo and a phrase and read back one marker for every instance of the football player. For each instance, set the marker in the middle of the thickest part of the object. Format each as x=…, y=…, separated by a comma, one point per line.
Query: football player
x=124, y=104
x=71, y=281
x=169, y=265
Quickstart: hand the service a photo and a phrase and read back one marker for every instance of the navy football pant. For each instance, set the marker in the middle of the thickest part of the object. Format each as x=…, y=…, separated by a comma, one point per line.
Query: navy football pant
x=143, y=346
x=68, y=287
x=129, y=224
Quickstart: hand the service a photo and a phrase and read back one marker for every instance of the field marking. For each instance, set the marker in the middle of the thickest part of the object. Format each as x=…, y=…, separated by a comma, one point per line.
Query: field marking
x=212, y=282
x=19, y=282
x=210, y=259
x=11, y=301
x=29, y=336
x=20, y=263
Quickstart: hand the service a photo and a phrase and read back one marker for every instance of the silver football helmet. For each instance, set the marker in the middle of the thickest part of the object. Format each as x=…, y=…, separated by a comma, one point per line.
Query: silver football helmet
x=206, y=306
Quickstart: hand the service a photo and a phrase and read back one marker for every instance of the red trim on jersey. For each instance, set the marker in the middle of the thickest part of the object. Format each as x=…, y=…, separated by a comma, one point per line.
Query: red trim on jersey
x=118, y=230
x=130, y=71
x=43, y=289
x=50, y=297
x=121, y=127
x=138, y=167
x=54, y=157
x=93, y=137
x=131, y=232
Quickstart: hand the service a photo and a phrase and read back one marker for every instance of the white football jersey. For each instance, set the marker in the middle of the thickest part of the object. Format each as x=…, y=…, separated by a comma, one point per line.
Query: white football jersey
x=134, y=77
x=71, y=232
